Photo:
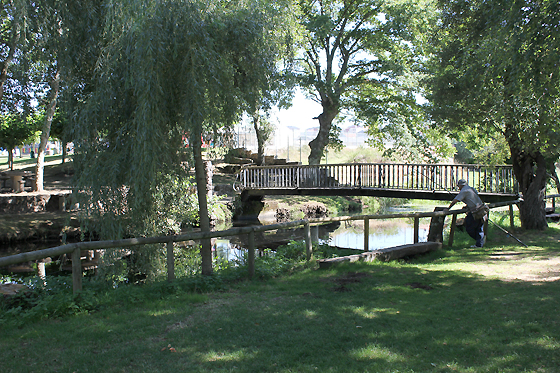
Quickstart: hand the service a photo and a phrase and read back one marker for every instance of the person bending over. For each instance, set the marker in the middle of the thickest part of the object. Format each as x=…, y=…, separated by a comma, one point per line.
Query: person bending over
x=474, y=221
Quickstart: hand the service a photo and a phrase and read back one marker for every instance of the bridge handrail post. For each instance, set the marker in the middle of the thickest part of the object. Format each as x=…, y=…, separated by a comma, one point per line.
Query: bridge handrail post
x=359, y=176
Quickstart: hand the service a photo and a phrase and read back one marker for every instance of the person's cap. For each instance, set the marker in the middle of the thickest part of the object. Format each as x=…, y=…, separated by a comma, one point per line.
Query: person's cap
x=461, y=182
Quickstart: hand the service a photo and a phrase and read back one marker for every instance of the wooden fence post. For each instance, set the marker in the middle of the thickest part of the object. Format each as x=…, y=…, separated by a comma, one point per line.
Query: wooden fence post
x=511, y=224
x=366, y=234
x=251, y=254
x=416, y=229
x=76, y=271
x=170, y=262
x=41, y=272
x=452, y=229
x=308, y=242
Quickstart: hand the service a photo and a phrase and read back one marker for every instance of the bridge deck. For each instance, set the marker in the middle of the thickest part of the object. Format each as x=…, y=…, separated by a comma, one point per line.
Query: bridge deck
x=413, y=181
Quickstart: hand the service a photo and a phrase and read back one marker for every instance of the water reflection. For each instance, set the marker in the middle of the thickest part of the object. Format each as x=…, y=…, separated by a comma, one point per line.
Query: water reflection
x=383, y=233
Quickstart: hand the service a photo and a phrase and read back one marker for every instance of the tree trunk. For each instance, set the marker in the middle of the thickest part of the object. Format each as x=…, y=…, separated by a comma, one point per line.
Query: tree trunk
x=11, y=158
x=319, y=143
x=200, y=175
x=64, y=152
x=530, y=171
x=45, y=133
x=554, y=176
x=10, y=57
x=260, y=139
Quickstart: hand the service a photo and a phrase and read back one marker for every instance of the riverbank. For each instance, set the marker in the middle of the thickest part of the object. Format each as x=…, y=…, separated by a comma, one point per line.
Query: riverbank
x=37, y=224
x=488, y=309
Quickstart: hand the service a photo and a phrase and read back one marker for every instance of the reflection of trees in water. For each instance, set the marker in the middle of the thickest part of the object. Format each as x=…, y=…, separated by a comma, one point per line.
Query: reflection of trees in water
x=13, y=248
x=325, y=232
x=274, y=239
x=376, y=226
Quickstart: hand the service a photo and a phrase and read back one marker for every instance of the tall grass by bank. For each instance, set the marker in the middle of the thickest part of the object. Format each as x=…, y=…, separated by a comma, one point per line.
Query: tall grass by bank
x=450, y=311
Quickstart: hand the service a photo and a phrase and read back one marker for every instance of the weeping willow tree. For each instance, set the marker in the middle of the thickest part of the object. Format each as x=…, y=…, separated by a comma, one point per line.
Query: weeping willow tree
x=168, y=70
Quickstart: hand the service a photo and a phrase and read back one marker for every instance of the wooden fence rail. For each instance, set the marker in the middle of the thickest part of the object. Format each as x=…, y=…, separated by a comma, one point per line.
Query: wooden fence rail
x=75, y=248
x=425, y=177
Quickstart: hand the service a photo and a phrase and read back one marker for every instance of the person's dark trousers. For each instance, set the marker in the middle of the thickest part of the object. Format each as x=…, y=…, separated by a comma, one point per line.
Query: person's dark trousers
x=475, y=229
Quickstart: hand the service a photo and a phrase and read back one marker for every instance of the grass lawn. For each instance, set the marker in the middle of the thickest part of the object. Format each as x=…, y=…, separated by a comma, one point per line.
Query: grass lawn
x=456, y=310
x=26, y=161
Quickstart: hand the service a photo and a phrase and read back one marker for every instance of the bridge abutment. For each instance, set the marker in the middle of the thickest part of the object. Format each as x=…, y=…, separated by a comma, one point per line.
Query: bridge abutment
x=248, y=207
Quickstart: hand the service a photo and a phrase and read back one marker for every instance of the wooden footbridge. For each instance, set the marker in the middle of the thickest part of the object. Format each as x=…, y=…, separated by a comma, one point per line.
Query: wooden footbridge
x=413, y=181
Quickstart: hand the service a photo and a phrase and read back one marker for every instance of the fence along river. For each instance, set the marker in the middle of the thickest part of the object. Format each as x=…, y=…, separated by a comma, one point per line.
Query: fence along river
x=75, y=248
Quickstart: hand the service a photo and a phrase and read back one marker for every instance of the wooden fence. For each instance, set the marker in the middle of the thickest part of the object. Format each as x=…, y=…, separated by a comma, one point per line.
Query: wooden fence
x=75, y=248
x=432, y=177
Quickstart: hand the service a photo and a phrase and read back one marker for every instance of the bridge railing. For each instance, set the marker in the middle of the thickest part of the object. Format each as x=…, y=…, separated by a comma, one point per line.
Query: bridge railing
x=433, y=177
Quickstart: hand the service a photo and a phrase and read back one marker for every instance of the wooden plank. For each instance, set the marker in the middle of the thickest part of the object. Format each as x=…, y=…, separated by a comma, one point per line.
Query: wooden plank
x=387, y=254
x=452, y=229
x=511, y=224
x=76, y=271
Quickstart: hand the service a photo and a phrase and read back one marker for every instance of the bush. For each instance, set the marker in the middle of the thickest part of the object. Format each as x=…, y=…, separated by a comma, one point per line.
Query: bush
x=53, y=300
x=56, y=298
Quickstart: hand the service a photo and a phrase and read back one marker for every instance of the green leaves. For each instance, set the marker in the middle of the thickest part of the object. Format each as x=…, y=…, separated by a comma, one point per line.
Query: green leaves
x=167, y=71
x=363, y=57
x=17, y=129
x=496, y=74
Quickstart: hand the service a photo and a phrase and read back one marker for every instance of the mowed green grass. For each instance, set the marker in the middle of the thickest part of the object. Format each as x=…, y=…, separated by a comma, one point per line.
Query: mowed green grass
x=455, y=310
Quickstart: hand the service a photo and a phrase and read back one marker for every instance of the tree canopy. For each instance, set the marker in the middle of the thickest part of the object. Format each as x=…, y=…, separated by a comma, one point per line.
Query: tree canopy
x=168, y=69
x=358, y=50
x=498, y=73
x=15, y=130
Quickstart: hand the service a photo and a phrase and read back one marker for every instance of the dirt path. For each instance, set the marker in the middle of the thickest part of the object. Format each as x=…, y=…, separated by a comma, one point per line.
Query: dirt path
x=530, y=265
x=517, y=263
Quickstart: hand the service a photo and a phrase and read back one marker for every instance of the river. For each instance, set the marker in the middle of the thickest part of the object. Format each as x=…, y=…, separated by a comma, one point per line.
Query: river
x=383, y=233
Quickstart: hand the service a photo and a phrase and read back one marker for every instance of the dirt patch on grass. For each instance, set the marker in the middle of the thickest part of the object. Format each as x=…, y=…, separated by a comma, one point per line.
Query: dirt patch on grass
x=418, y=285
x=526, y=265
x=348, y=278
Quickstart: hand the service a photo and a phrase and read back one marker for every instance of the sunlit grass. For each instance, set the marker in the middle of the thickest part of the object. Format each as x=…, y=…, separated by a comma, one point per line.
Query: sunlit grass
x=455, y=310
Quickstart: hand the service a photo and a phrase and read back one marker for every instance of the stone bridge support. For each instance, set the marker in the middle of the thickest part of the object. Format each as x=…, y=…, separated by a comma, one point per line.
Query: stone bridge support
x=248, y=207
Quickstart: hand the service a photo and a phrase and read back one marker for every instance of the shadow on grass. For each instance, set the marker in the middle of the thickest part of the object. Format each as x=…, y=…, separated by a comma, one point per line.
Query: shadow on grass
x=391, y=318
x=377, y=317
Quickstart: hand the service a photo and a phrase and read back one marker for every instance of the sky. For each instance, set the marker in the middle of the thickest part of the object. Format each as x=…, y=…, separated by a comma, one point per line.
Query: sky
x=300, y=115
x=290, y=122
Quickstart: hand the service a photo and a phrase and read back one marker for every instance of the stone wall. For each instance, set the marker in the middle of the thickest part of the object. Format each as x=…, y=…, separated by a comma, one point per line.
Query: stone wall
x=33, y=202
